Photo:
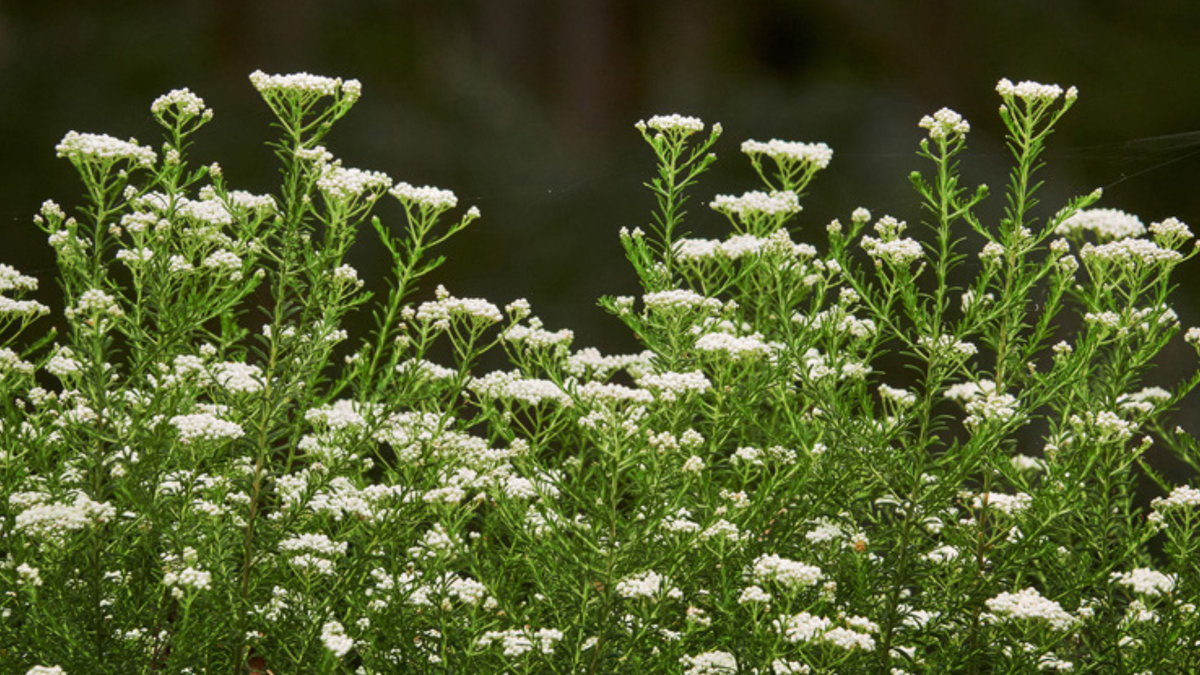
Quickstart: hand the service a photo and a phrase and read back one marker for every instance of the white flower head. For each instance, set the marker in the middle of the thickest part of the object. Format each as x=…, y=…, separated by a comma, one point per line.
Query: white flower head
x=333, y=634
x=1032, y=92
x=338, y=183
x=305, y=85
x=756, y=203
x=181, y=104
x=673, y=124
x=103, y=149
x=944, y=124
x=710, y=663
x=1106, y=224
x=1028, y=605
x=817, y=155
x=427, y=197
x=1145, y=581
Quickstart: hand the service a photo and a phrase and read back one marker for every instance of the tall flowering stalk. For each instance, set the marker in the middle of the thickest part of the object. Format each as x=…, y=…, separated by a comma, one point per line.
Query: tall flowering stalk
x=891, y=449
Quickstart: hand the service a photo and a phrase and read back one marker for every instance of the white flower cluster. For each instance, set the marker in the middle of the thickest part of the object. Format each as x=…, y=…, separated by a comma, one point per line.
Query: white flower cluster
x=1033, y=92
x=188, y=578
x=805, y=627
x=247, y=201
x=333, y=635
x=1181, y=497
x=346, y=274
x=785, y=667
x=756, y=203
x=446, y=307
x=898, y=252
x=314, y=543
x=754, y=594
x=991, y=407
x=517, y=642
x=734, y=347
x=27, y=575
x=1028, y=605
x=673, y=123
x=945, y=123
x=535, y=336
x=46, y=670
x=12, y=280
x=238, y=378
x=680, y=299
x=437, y=542
x=1109, y=424
x=511, y=386
x=709, y=663
x=723, y=530
x=205, y=426
x=890, y=247
x=1129, y=253
x=900, y=397
x=596, y=393
x=817, y=366
x=942, y=555
x=95, y=302
x=843, y=323
x=225, y=261
x=650, y=585
x=590, y=362
x=1146, y=581
x=10, y=361
x=1107, y=224
x=787, y=573
x=305, y=84
x=966, y=392
x=136, y=257
x=426, y=197
x=339, y=415
x=343, y=184
x=63, y=363
x=669, y=386
x=1171, y=232
x=817, y=154
x=1007, y=504
x=427, y=370
x=313, y=552
x=52, y=521
x=26, y=308
x=102, y=148
x=183, y=102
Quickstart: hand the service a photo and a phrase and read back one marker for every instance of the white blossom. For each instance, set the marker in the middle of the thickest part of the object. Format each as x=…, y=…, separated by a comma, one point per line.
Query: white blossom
x=945, y=123
x=1032, y=92
x=1028, y=605
x=305, y=84
x=1146, y=581
x=757, y=204
x=787, y=573
x=1107, y=224
x=333, y=634
x=101, y=148
x=816, y=154
x=183, y=103
x=673, y=123
x=649, y=584
x=710, y=663
x=426, y=197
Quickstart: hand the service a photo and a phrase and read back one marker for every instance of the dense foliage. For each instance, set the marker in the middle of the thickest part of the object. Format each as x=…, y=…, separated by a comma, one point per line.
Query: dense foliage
x=204, y=473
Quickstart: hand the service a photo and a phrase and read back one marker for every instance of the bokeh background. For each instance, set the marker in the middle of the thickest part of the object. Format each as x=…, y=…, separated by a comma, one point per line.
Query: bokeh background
x=526, y=108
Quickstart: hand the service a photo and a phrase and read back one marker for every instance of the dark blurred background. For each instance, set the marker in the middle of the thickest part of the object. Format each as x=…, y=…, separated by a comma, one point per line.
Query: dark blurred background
x=526, y=109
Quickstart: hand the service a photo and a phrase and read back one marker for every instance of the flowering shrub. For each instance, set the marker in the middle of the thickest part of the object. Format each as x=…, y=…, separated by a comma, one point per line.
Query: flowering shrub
x=204, y=473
